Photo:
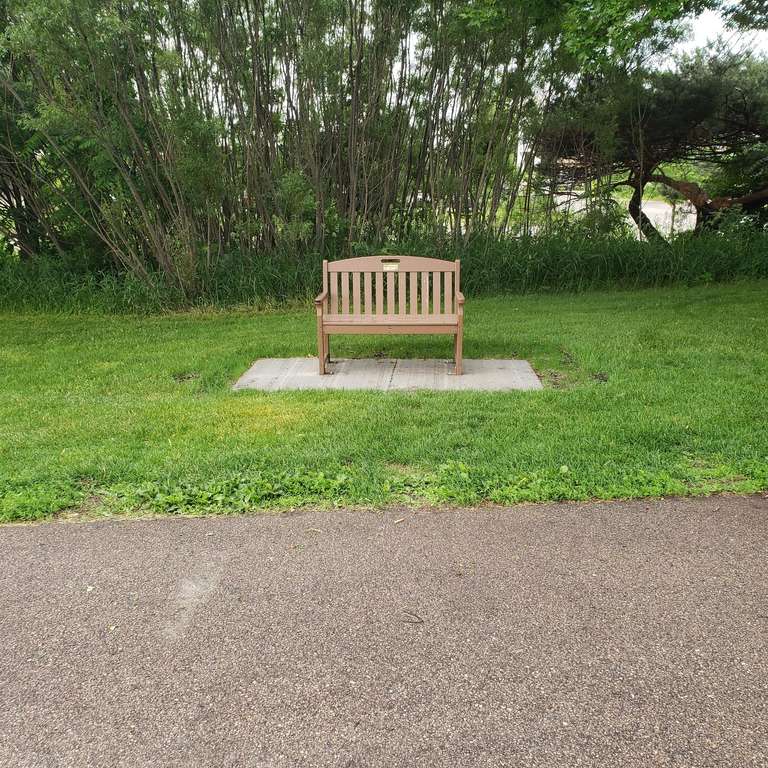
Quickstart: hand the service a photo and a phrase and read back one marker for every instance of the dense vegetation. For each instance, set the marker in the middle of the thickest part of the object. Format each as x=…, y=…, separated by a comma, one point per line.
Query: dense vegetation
x=217, y=149
x=572, y=261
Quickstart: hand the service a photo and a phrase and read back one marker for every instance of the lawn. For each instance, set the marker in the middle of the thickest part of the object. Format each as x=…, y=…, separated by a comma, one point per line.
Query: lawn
x=648, y=393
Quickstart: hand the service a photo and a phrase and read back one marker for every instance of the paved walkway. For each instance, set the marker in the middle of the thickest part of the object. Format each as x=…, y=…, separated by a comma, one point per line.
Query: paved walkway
x=624, y=634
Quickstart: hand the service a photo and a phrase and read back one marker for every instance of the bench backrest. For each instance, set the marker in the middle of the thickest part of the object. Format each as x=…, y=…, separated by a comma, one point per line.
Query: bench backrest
x=407, y=286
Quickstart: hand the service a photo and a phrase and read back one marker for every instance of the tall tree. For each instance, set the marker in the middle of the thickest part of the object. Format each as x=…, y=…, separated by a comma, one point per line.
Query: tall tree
x=711, y=109
x=173, y=132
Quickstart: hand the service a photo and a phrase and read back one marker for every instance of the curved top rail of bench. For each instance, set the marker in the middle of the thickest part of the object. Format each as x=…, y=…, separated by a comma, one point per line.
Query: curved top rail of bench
x=404, y=264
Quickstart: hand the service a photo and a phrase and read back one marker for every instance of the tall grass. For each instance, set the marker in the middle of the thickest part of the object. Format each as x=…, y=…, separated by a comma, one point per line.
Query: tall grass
x=489, y=266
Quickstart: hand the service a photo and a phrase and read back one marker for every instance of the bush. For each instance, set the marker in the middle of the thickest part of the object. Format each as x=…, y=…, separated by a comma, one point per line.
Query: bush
x=489, y=265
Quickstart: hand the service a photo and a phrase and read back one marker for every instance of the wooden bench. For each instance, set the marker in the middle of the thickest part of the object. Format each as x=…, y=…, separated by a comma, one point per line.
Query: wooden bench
x=389, y=294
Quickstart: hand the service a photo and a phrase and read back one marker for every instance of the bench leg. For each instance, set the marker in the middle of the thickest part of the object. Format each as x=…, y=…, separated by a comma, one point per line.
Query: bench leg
x=457, y=352
x=322, y=359
x=322, y=346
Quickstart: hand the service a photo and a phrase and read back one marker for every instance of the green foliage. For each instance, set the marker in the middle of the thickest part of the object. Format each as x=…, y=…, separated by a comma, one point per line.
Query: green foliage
x=603, y=32
x=604, y=219
x=296, y=202
x=747, y=14
x=742, y=172
x=628, y=121
x=646, y=393
x=583, y=253
x=182, y=139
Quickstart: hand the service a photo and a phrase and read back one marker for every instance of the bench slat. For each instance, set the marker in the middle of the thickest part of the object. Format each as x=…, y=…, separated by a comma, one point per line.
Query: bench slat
x=436, y=293
x=356, y=293
x=394, y=328
x=386, y=318
x=413, y=306
x=390, y=293
x=448, y=292
x=401, y=292
x=405, y=264
x=368, y=309
x=345, y=293
x=425, y=293
x=379, y=293
x=334, y=304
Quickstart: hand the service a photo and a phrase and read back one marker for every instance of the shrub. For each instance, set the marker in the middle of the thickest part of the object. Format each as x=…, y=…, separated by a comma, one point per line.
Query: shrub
x=562, y=262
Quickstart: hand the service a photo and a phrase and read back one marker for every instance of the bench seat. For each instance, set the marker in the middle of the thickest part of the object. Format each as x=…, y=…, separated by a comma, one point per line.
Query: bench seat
x=385, y=319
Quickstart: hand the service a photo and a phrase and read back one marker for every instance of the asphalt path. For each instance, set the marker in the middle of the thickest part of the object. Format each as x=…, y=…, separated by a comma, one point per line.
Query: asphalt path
x=601, y=634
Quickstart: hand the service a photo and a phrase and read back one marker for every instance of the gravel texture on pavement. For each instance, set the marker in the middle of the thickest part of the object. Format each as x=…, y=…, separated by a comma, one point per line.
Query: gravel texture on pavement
x=599, y=634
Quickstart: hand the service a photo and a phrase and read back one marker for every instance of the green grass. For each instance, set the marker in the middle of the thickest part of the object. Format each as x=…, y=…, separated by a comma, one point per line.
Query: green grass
x=649, y=393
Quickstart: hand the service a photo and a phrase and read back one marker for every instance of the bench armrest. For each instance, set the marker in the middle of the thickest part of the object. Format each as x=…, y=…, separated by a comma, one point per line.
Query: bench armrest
x=321, y=298
x=459, y=297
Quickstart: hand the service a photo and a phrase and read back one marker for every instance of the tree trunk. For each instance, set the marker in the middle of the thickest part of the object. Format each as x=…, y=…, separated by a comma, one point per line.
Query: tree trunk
x=644, y=224
x=706, y=207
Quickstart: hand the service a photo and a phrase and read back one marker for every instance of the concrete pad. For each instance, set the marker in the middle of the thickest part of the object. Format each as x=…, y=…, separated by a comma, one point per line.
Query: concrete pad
x=274, y=374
